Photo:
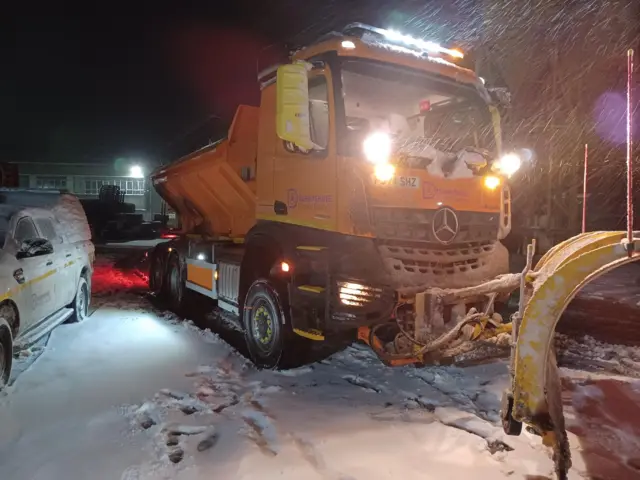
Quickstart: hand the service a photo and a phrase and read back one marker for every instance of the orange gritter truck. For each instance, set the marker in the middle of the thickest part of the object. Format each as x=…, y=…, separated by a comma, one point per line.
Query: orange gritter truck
x=367, y=195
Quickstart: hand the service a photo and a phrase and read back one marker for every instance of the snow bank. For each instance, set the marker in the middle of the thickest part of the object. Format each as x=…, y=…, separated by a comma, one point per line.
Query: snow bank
x=593, y=355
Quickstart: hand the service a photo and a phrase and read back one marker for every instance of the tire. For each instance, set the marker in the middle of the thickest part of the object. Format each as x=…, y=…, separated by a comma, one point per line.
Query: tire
x=81, y=301
x=156, y=274
x=175, y=282
x=267, y=327
x=6, y=352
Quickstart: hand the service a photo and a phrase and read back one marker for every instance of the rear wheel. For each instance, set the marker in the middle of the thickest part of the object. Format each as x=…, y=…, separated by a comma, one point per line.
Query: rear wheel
x=6, y=352
x=175, y=281
x=267, y=328
x=156, y=273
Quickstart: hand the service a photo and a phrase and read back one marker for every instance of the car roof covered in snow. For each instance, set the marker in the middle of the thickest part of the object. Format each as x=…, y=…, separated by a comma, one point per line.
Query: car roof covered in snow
x=72, y=222
x=7, y=211
x=29, y=197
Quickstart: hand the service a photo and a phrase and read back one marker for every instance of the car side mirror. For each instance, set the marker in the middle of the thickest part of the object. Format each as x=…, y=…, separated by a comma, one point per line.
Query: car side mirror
x=34, y=248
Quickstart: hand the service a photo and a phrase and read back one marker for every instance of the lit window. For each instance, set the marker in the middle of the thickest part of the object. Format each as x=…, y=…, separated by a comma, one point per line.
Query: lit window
x=127, y=186
x=52, y=183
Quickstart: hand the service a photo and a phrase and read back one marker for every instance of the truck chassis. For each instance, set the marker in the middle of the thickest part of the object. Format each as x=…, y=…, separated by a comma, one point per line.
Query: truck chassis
x=284, y=286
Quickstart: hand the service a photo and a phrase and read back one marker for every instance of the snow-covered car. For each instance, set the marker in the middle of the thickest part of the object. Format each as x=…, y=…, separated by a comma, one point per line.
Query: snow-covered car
x=46, y=262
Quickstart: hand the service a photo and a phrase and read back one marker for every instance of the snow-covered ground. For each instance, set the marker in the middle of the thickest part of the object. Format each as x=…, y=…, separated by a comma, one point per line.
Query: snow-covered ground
x=135, y=393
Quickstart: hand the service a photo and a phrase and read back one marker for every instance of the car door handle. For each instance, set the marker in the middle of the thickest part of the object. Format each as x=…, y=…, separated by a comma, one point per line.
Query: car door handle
x=68, y=255
x=50, y=262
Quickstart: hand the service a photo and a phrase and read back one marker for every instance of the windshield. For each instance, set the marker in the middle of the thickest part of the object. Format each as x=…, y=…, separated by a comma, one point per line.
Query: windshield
x=441, y=117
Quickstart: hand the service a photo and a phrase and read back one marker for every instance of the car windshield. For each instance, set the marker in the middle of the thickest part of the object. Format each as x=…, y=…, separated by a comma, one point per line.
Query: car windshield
x=415, y=108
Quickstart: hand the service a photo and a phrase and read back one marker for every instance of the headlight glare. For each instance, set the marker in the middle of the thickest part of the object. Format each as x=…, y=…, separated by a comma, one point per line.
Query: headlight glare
x=384, y=172
x=491, y=182
x=508, y=164
x=377, y=147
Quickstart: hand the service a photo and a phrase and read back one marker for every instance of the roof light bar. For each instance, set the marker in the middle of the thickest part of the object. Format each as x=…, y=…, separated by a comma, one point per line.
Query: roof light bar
x=420, y=44
x=395, y=37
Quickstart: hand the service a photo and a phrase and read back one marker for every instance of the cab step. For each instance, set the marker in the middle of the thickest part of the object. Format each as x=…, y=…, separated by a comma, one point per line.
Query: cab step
x=310, y=333
x=311, y=289
x=311, y=248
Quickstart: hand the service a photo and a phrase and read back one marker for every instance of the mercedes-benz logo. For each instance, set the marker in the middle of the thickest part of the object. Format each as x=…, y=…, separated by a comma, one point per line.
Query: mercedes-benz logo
x=445, y=225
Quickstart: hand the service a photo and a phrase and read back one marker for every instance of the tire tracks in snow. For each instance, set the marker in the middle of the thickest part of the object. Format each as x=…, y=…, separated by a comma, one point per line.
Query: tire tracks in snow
x=468, y=402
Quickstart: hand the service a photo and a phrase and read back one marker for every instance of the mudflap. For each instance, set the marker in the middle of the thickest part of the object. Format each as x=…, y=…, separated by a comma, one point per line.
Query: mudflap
x=535, y=394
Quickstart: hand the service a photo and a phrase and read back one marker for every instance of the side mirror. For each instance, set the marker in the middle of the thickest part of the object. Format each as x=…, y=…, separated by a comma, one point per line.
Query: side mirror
x=34, y=248
x=292, y=105
x=500, y=96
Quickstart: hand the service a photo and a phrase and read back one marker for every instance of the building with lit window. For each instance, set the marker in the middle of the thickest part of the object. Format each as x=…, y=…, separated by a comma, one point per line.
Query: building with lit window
x=85, y=180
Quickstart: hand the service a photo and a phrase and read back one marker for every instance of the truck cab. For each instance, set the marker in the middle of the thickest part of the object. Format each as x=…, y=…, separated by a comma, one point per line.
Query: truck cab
x=378, y=140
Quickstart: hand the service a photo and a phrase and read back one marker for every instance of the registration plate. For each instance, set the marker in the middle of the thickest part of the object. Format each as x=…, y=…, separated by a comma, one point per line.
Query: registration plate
x=399, y=181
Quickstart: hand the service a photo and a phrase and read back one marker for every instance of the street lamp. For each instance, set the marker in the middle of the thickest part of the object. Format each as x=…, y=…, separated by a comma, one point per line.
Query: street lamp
x=136, y=171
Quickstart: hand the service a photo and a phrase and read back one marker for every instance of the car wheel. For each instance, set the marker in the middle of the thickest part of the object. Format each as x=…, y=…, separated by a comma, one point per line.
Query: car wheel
x=176, y=284
x=6, y=352
x=81, y=301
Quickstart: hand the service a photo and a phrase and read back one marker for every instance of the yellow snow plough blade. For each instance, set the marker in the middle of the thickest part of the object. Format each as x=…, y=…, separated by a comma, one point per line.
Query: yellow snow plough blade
x=535, y=396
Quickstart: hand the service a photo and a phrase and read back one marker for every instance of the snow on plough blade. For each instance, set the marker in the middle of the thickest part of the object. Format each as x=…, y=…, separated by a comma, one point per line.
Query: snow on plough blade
x=535, y=394
x=435, y=337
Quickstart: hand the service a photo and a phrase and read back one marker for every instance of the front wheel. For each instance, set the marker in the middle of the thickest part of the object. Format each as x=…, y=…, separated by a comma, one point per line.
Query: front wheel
x=6, y=352
x=81, y=301
x=267, y=327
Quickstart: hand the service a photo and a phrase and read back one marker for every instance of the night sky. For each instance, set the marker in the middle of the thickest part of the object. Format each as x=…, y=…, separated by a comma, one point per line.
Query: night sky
x=94, y=82
x=97, y=81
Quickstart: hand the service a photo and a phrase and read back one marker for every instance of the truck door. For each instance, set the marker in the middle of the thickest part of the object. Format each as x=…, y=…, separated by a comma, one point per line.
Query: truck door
x=305, y=182
x=37, y=276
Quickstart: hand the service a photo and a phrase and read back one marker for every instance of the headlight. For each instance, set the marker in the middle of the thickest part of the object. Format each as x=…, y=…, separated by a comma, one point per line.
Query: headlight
x=491, y=182
x=351, y=293
x=384, y=172
x=377, y=147
x=508, y=164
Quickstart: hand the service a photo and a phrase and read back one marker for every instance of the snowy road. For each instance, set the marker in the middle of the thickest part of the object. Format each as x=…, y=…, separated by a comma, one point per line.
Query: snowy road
x=135, y=393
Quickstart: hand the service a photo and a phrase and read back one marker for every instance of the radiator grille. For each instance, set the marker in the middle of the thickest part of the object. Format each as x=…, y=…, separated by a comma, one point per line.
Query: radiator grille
x=416, y=225
x=452, y=267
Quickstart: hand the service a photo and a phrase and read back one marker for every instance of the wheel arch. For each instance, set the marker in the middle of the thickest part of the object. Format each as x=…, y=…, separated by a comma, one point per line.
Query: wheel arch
x=86, y=273
x=263, y=248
